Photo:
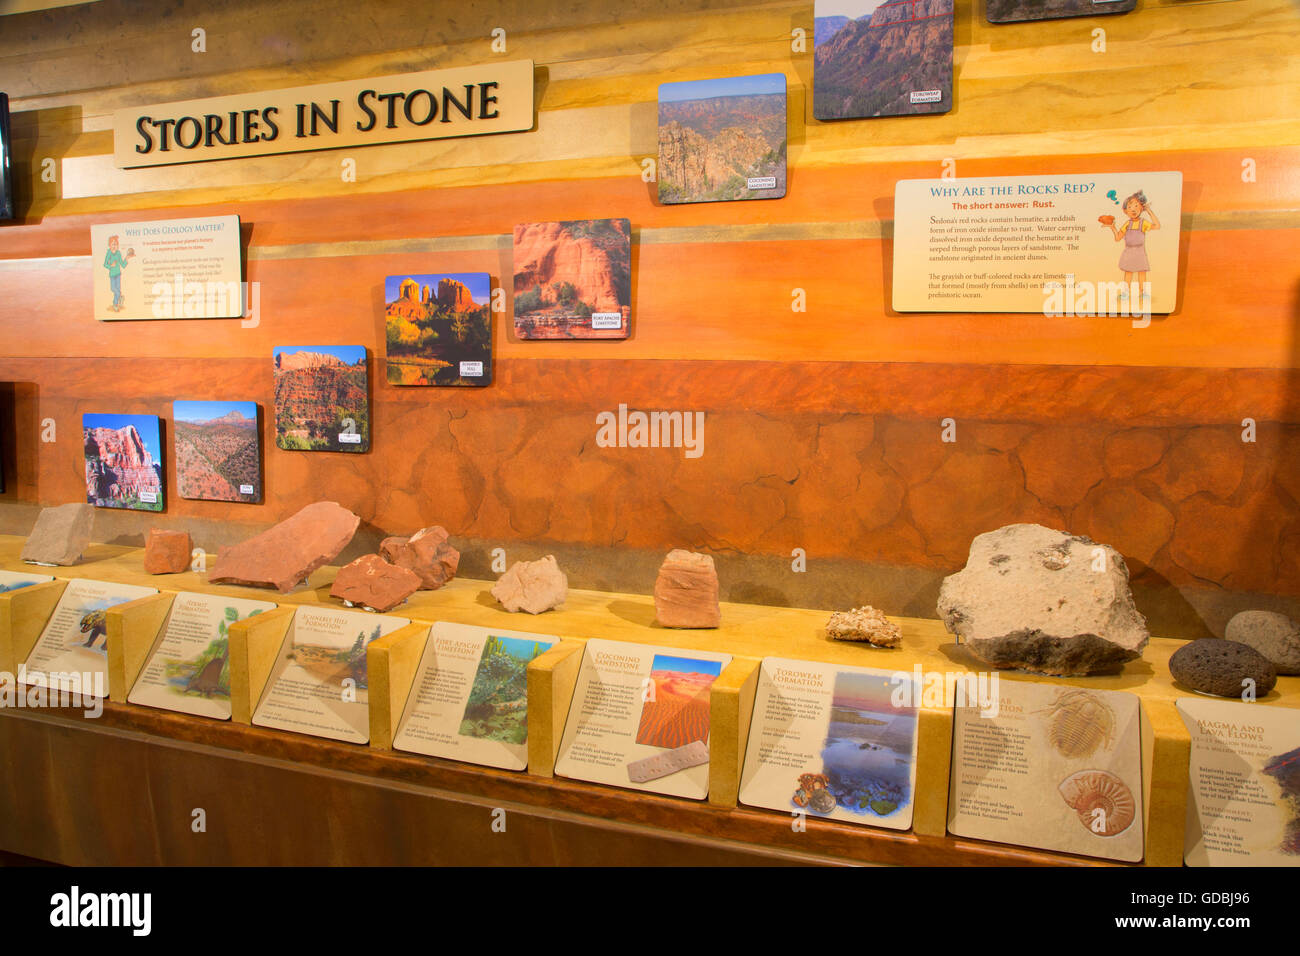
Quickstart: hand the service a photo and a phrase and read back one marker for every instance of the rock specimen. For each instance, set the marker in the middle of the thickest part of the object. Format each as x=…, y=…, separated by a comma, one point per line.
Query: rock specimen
x=285, y=555
x=1273, y=635
x=1219, y=667
x=372, y=582
x=864, y=624
x=1044, y=601
x=60, y=535
x=167, y=552
x=532, y=586
x=427, y=553
x=686, y=591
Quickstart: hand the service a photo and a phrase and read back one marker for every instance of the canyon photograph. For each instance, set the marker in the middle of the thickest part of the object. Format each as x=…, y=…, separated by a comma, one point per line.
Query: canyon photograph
x=881, y=58
x=439, y=329
x=723, y=139
x=1015, y=11
x=322, y=398
x=123, y=461
x=218, y=451
x=573, y=280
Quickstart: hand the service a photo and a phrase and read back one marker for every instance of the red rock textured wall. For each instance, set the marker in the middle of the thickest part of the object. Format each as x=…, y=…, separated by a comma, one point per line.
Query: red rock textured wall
x=823, y=427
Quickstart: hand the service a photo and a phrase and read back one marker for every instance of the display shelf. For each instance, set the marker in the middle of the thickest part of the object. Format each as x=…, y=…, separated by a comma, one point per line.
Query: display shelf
x=748, y=632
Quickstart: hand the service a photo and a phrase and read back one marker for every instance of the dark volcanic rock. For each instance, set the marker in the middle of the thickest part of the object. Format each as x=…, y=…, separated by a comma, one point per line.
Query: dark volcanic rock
x=285, y=555
x=1215, y=666
x=60, y=535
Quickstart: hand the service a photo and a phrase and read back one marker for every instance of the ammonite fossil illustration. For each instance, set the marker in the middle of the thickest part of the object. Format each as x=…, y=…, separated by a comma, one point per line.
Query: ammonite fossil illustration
x=822, y=801
x=1103, y=801
x=1079, y=723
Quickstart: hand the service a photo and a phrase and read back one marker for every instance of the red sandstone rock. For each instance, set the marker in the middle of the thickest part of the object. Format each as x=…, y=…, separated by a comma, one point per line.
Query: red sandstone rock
x=60, y=535
x=284, y=556
x=532, y=586
x=427, y=553
x=454, y=295
x=372, y=582
x=167, y=552
x=118, y=465
x=547, y=252
x=286, y=362
x=686, y=591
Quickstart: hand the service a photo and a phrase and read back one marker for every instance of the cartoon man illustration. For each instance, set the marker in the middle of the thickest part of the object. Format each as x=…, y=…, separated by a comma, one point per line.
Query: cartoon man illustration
x=115, y=262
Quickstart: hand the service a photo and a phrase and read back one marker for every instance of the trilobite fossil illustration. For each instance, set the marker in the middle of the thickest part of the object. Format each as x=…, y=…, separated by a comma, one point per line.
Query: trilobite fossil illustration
x=1079, y=723
x=1102, y=801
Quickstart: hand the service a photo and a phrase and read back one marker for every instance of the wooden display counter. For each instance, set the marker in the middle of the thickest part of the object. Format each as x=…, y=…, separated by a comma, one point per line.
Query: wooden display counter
x=144, y=786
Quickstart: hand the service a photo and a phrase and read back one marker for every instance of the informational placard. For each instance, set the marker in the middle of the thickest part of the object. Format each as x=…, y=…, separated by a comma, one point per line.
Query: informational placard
x=1243, y=801
x=1076, y=245
x=640, y=718
x=833, y=742
x=496, y=97
x=169, y=269
x=1057, y=768
x=188, y=669
x=72, y=652
x=470, y=697
x=15, y=580
x=319, y=685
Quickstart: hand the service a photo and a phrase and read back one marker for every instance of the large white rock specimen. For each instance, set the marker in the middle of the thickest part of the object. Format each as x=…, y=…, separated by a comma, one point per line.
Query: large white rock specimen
x=1044, y=601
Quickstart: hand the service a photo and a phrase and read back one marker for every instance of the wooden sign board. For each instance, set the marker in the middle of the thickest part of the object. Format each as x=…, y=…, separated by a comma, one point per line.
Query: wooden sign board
x=435, y=104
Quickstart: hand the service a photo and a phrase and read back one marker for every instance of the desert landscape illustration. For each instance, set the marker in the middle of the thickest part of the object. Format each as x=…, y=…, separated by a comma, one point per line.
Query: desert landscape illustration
x=871, y=64
x=716, y=137
x=679, y=710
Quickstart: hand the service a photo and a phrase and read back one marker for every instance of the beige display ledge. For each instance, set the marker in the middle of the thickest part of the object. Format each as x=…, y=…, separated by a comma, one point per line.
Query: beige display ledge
x=748, y=632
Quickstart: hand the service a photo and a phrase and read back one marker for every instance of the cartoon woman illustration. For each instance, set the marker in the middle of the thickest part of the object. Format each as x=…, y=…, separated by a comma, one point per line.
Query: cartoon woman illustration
x=115, y=262
x=1133, y=233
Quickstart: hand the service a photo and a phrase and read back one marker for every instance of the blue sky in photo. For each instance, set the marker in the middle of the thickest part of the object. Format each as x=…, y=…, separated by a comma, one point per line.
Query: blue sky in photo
x=522, y=648
x=348, y=354
x=207, y=411
x=853, y=9
x=685, y=665
x=726, y=86
x=478, y=283
x=146, y=425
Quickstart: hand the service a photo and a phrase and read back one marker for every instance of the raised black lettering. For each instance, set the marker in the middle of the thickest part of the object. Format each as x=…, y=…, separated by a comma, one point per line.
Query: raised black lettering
x=140, y=125
x=430, y=113
x=365, y=108
x=465, y=109
x=484, y=100
x=266, y=118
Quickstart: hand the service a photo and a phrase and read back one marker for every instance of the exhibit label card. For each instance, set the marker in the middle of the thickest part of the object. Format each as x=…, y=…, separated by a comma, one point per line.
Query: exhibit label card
x=319, y=685
x=15, y=580
x=1056, y=768
x=322, y=398
x=439, y=328
x=722, y=140
x=470, y=697
x=72, y=652
x=189, y=668
x=881, y=58
x=838, y=742
x=1243, y=803
x=169, y=269
x=640, y=718
x=1014, y=11
x=1096, y=244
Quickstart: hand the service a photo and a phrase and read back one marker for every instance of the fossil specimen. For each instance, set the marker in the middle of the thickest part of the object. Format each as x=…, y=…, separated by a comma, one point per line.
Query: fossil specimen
x=1102, y=800
x=1079, y=723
